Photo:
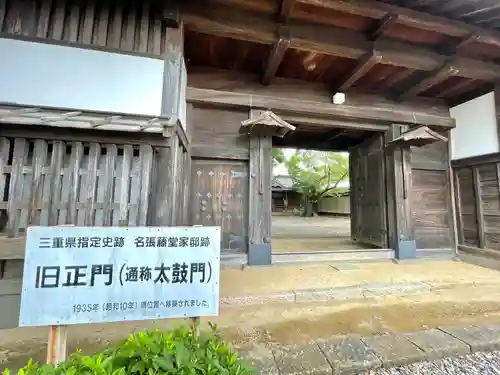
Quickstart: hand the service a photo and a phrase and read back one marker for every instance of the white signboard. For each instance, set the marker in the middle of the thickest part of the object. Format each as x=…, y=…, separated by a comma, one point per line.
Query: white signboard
x=76, y=275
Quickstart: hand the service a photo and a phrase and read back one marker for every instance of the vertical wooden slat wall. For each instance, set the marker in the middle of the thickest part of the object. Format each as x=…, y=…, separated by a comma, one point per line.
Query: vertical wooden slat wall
x=477, y=199
x=129, y=26
x=170, y=193
x=53, y=183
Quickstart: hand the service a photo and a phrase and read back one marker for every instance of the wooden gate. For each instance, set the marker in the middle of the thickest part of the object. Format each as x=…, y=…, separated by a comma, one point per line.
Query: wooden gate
x=219, y=196
x=368, y=192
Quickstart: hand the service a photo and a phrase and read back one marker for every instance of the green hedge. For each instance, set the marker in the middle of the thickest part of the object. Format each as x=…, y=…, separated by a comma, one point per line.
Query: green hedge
x=176, y=352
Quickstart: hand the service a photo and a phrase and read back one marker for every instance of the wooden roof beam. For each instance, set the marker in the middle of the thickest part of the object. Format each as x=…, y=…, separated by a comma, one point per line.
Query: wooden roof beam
x=432, y=79
x=366, y=63
x=286, y=8
x=458, y=88
x=275, y=58
x=380, y=26
x=408, y=17
x=327, y=40
x=378, y=10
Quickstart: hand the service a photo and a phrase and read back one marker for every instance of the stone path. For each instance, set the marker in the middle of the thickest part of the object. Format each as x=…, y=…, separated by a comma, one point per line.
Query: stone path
x=354, y=355
x=472, y=364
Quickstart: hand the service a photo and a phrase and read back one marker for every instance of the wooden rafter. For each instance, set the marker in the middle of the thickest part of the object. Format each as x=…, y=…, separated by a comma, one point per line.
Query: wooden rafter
x=432, y=79
x=365, y=64
x=332, y=135
x=408, y=17
x=329, y=40
x=480, y=91
x=286, y=8
x=274, y=61
x=458, y=88
x=379, y=26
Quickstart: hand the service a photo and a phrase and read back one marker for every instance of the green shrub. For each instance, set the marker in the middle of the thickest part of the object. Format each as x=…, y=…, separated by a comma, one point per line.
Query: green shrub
x=155, y=352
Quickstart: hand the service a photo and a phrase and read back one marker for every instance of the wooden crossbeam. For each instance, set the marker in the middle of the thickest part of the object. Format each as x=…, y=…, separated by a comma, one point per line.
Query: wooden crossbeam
x=332, y=135
x=286, y=8
x=328, y=40
x=432, y=79
x=362, y=68
x=460, y=87
x=380, y=26
x=275, y=58
x=378, y=10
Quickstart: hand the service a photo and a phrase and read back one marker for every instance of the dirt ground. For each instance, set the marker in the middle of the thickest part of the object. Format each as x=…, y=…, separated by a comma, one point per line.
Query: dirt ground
x=475, y=299
x=246, y=327
x=318, y=233
x=289, y=226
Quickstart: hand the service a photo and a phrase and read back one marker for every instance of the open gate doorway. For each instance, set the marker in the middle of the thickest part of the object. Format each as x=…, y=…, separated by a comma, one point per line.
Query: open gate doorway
x=334, y=233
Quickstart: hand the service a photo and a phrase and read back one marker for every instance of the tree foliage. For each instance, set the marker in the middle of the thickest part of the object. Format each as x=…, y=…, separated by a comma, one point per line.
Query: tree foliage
x=317, y=174
x=278, y=156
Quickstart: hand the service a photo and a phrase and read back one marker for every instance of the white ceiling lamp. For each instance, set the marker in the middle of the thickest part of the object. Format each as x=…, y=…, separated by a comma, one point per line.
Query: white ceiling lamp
x=339, y=98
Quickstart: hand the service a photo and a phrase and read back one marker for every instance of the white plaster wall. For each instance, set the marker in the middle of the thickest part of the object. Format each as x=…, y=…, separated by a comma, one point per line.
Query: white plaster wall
x=38, y=74
x=476, y=128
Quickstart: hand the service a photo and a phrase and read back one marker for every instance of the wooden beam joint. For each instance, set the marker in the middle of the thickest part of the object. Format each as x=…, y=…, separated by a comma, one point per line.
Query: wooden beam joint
x=275, y=58
x=432, y=79
x=366, y=63
x=171, y=15
x=380, y=26
x=285, y=10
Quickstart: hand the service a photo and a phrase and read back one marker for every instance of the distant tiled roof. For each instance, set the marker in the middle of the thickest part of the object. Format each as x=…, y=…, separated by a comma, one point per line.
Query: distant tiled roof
x=282, y=182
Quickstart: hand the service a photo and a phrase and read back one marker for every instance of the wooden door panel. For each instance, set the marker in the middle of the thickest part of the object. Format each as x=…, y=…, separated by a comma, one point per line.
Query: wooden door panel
x=219, y=196
x=368, y=195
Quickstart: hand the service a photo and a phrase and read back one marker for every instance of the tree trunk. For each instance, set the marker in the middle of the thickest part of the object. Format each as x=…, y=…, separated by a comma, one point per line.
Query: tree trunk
x=308, y=207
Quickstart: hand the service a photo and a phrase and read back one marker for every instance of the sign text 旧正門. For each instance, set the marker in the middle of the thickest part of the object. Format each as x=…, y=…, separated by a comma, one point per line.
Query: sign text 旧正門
x=103, y=274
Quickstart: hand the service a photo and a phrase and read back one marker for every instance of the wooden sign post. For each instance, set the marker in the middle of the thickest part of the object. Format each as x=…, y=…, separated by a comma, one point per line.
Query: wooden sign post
x=58, y=335
x=57, y=347
x=195, y=320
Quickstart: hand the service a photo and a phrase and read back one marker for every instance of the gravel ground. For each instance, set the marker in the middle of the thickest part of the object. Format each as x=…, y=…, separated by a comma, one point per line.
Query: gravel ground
x=474, y=364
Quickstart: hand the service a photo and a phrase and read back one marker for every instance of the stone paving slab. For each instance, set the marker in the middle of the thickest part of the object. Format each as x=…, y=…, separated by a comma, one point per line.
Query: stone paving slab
x=261, y=359
x=301, y=359
x=394, y=349
x=384, y=290
x=348, y=355
x=438, y=344
x=485, y=338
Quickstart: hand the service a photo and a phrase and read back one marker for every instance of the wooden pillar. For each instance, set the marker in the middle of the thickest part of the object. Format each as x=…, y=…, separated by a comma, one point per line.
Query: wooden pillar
x=168, y=201
x=259, y=218
x=496, y=94
x=401, y=236
x=261, y=127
